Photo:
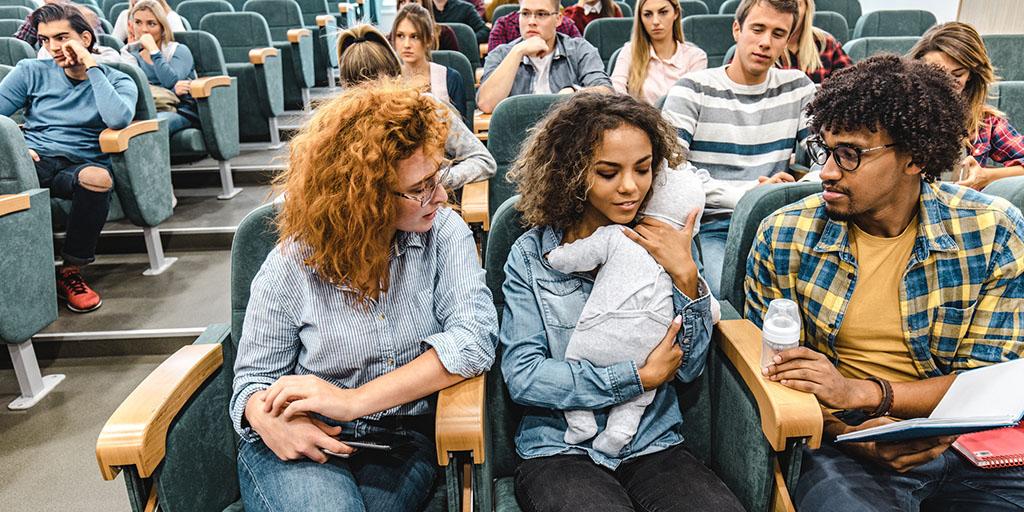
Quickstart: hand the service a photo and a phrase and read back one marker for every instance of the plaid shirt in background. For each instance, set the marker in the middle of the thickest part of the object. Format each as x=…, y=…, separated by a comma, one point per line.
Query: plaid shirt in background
x=26, y=32
x=962, y=297
x=833, y=58
x=998, y=141
x=507, y=29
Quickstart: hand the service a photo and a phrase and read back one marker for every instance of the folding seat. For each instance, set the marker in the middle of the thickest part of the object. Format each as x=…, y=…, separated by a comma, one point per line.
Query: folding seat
x=850, y=9
x=468, y=46
x=729, y=7
x=608, y=35
x=460, y=63
x=1009, y=98
x=691, y=7
x=317, y=17
x=245, y=41
x=295, y=44
x=105, y=5
x=910, y=22
x=627, y=10
x=860, y=49
x=1011, y=189
x=9, y=27
x=24, y=3
x=1004, y=50
x=504, y=9
x=13, y=50
x=833, y=23
x=172, y=437
x=194, y=10
x=711, y=33
x=117, y=8
x=109, y=41
x=14, y=12
x=216, y=96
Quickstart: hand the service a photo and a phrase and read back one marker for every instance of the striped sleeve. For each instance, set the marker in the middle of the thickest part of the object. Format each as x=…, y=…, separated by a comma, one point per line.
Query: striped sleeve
x=682, y=109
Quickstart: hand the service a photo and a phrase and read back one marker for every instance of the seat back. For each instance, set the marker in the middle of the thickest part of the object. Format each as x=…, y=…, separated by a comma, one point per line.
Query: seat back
x=109, y=41
x=627, y=10
x=608, y=35
x=909, y=22
x=568, y=3
x=237, y=33
x=755, y=205
x=609, y=66
x=713, y=5
x=13, y=50
x=255, y=237
x=468, y=46
x=14, y=12
x=117, y=9
x=729, y=54
x=311, y=9
x=711, y=33
x=504, y=9
x=28, y=4
x=729, y=7
x=833, y=23
x=510, y=125
x=850, y=9
x=1004, y=50
x=862, y=48
x=194, y=10
x=1009, y=98
x=460, y=63
x=9, y=27
x=28, y=297
x=206, y=52
x=105, y=5
x=1011, y=189
x=692, y=7
x=280, y=15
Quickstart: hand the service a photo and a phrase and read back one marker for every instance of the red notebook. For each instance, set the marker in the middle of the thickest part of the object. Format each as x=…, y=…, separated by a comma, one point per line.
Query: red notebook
x=999, y=448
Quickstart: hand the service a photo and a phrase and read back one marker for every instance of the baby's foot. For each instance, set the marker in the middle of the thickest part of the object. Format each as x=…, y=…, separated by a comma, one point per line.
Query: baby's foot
x=611, y=442
x=582, y=426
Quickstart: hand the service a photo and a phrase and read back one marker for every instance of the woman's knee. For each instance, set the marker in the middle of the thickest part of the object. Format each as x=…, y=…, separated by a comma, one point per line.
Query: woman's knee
x=95, y=179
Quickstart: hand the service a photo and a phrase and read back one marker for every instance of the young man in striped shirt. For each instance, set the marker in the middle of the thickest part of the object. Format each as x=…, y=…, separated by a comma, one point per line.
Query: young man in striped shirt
x=741, y=122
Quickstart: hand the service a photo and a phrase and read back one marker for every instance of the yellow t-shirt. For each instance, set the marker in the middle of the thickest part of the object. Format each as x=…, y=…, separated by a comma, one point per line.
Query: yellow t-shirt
x=870, y=340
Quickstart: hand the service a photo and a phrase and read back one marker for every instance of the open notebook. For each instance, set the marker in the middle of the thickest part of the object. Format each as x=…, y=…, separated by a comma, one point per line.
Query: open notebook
x=980, y=399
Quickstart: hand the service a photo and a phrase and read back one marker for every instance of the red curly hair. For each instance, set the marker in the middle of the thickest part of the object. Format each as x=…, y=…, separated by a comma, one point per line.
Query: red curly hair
x=342, y=170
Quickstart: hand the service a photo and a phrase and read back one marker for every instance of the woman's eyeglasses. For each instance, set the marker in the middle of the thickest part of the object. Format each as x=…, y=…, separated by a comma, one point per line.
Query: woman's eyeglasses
x=429, y=185
x=847, y=157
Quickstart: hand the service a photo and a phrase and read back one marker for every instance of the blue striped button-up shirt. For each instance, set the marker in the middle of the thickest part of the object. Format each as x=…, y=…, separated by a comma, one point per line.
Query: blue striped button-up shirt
x=298, y=323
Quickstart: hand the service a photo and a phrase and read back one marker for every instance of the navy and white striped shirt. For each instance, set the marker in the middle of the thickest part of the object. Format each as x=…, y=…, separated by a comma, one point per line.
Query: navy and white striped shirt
x=298, y=323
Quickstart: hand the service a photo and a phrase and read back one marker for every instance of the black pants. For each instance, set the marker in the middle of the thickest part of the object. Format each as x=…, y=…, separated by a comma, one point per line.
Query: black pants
x=88, y=209
x=670, y=480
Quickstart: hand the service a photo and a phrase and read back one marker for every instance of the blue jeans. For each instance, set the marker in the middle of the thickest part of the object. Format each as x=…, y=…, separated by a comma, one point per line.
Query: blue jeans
x=368, y=480
x=175, y=121
x=832, y=481
x=712, y=251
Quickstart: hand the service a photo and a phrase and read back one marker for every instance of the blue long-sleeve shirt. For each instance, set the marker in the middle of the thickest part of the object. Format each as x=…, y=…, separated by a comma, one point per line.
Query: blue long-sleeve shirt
x=165, y=72
x=65, y=118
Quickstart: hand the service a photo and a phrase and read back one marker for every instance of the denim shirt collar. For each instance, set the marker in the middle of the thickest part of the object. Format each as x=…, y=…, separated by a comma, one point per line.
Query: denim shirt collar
x=559, y=49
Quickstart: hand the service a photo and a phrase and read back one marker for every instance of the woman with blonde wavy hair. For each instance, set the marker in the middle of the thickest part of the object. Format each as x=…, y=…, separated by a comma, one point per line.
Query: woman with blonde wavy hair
x=372, y=301
x=958, y=49
x=811, y=49
x=658, y=55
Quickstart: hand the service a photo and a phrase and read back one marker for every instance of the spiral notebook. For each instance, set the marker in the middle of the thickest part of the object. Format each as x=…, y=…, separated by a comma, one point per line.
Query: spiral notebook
x=1000, y=448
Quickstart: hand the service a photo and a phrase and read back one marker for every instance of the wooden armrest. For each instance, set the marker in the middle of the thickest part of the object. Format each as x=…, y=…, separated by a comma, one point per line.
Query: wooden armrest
x=203, y=87
x=475, y=203
x=136, y=434
x=116, y=141
x=481, y=122
x=343, y=8
x=460, y=419
x=324, y=19
x=10, y=203
x=295, y=34
x=785, y=413
x=259, y=56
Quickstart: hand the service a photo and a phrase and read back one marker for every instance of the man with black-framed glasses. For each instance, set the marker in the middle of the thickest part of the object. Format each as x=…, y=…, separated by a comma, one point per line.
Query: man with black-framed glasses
x=542, y=61
x=902, y=282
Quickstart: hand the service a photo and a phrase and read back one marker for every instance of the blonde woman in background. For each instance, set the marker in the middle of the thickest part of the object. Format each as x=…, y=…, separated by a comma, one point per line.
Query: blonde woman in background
x=122, y=28
x=658, y=54
x=811, y=49
x=958, y=49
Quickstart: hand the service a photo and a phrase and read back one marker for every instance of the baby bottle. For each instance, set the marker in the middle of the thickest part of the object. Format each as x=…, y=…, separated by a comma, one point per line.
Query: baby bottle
x=781, y=329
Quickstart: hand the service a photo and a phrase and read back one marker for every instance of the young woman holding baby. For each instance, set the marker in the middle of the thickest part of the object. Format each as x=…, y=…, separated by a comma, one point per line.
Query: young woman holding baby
x=622, y=145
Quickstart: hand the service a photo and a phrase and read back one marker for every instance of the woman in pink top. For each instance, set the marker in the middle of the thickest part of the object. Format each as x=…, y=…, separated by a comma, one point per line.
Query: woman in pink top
x=657, y=56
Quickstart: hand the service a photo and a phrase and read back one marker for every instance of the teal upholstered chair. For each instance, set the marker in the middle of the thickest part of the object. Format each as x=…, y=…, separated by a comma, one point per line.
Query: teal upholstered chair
x=13, y=50
x=567, y=3
x=109, y=41
x=729, y=7
x=627, y=10
x=1009, y=98
x=608, y=35
x=172, y=437
x=833, y=23
x=295, y=44
x=504, y=9
x=1004, y=50
x=9, y=27
x=246, y=44
x=743, y=428
x=711, y=33
x=860, y=49
x=850, y=9
x=346, y=16
x=216, y=95
x=194, y=10
x=105, y=5
x=24, y=3
x=460, y=63
x=467, y=43
x=910, y=22
x=693, y=7
x=14, y=12
x=610, y=65
x=117, y=9
x=28, y=297
x=1011, y=189
x=317, y=17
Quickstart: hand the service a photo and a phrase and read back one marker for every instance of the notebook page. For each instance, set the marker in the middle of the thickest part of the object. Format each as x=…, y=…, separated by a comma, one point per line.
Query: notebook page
x=996, y=390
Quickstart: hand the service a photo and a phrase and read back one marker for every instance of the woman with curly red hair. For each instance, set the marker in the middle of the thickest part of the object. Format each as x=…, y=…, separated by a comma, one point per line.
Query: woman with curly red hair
x=372, y=301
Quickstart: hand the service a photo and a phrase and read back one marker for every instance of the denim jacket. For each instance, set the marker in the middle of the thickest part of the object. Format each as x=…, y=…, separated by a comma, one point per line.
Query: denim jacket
x=542, y=306
x=576, y=63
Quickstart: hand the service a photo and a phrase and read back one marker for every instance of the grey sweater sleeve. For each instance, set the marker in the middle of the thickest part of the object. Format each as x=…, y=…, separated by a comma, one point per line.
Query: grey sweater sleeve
x=585, y=254
x=472, y=161
x=115, y=95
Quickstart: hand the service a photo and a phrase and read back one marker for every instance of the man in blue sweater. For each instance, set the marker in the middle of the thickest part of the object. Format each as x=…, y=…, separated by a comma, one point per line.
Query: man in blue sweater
x=68, y=101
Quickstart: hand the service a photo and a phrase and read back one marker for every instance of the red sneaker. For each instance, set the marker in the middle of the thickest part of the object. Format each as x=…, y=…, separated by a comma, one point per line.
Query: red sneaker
x=72, y=288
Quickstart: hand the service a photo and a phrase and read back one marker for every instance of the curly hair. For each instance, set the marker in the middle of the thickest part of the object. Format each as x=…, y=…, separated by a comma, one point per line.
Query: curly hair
x=915, y=103
x=551, y=172
x=342, y=171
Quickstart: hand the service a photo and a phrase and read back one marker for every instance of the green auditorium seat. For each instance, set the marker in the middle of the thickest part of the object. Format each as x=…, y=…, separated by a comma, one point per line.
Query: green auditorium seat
x=860, y=49
x=284, y=19
x=1011, y=189
x=568, y=3
x=172, y=437
x=105, y=6
x=627, y=10
x=317, y=17
x=9, y=27
x=116, y=10
x=711, y=33
x=13, y=50
x=1004, y=50
x=692, y=7
x=23, y=3
x=109, y=41
x=909, y=22
x=729, y=7
x=28, y=297
x=750, y=432
x=468, y=46
x=608, y=35
x=194, y=10
x=14, y=12
x=246, y=44
x=504, y=9
x=1009, y=98
x=346, y=16
x=216, y=95
x=850, y=9
x=833, y=23
x=610, y=65
x=458, y=62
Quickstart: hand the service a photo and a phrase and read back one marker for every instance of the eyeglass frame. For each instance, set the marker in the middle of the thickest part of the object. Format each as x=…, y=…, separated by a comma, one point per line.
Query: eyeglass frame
x=829, y=152
x=538, y=15
x=443, y=171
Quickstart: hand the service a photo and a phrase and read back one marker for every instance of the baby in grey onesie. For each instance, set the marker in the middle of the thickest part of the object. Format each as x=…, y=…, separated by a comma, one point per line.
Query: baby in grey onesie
x=630, y=307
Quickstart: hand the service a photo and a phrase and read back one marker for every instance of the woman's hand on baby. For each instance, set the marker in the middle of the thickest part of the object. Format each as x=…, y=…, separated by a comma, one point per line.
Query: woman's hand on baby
x=664, y=360
x=294, y=395
x=671, y=248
